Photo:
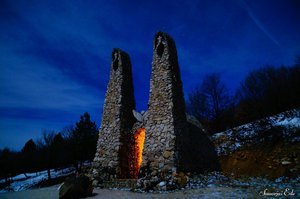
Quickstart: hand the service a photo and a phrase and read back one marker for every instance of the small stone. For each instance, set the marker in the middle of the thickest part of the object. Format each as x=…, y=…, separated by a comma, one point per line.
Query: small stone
x=167, y=154
x=161, y=165
x=162, y=183
x=164, y=188
x=111, y=163
x=286, y=162
x=154, y=173
x=154, y=179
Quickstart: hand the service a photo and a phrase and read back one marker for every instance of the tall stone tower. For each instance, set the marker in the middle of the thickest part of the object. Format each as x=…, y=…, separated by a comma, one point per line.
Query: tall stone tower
x=173, y=142
x=117, y=121
x=166, y=117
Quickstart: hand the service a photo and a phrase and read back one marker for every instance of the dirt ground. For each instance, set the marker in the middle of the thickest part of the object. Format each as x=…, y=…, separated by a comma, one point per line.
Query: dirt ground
x=265, y=160
x=209, y=192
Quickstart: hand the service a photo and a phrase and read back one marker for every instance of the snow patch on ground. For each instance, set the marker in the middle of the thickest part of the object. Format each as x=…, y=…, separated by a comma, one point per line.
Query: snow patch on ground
x=20, y=182
x=293, y=122
x=251, y=133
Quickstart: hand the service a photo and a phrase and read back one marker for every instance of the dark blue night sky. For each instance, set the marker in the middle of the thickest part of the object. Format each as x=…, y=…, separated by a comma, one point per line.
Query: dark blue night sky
x=55, y=55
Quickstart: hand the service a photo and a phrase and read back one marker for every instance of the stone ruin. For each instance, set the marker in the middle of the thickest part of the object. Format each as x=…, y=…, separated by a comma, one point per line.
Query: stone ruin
x=156, y=143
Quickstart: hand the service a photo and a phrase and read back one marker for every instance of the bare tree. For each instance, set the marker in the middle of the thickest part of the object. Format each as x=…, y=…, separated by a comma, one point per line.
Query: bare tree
x=268, y=90
x=45, y=144
x=210, y=101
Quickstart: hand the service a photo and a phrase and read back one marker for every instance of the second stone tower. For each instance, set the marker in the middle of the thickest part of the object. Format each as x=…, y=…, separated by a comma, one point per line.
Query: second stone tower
x=166, y=116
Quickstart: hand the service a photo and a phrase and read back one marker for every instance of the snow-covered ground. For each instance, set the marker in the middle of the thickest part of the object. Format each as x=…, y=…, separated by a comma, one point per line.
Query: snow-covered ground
x=21, y=182
x=251, y=133
x=211, y=185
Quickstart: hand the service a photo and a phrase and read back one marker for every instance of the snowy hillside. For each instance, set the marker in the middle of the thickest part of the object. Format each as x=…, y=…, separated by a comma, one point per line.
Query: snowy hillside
x=21, y=182
x=284, y=126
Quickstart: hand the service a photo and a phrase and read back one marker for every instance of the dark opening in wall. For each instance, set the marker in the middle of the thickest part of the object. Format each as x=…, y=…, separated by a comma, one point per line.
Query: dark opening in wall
x=115, y=59
x=115, y=64
x=160, y=49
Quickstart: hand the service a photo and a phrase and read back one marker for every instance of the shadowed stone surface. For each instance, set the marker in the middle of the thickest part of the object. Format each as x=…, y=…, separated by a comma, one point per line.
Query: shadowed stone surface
x=117, y=120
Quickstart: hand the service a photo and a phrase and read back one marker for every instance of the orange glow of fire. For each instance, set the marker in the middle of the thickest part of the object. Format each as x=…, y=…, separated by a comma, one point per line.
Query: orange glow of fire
x=139, y=138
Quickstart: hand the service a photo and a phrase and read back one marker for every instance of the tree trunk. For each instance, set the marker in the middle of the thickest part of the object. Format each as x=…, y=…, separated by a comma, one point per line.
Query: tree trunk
x=49, y=173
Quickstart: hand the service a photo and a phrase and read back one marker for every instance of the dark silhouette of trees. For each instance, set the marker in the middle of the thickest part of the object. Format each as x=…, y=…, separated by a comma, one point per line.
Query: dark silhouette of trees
x=73, y=145
x=29, y=156
x=59, y=146
x=264, y=92
x=9, y=164
x=210, y=102
x=267, y=91
x=198, y=105
x=83, y=140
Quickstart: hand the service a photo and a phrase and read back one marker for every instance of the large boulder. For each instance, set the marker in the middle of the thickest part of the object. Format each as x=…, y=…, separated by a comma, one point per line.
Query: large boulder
x=76, y=187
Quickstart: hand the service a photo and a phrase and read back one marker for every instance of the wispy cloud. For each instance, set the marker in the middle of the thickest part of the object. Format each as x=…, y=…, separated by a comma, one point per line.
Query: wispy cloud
x=257, y=22
x=27, y=84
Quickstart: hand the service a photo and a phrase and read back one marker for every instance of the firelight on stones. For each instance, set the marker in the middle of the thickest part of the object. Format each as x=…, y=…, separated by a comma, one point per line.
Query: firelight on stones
x=136, y=157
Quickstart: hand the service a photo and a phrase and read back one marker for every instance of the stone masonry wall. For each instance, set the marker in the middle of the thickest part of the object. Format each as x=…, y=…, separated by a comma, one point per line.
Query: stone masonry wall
x=172, y=142
x=166, y=109
x=117, y=120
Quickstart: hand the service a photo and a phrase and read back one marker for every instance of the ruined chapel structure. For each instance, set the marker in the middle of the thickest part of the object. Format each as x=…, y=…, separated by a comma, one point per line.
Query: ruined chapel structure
x=157, y=142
